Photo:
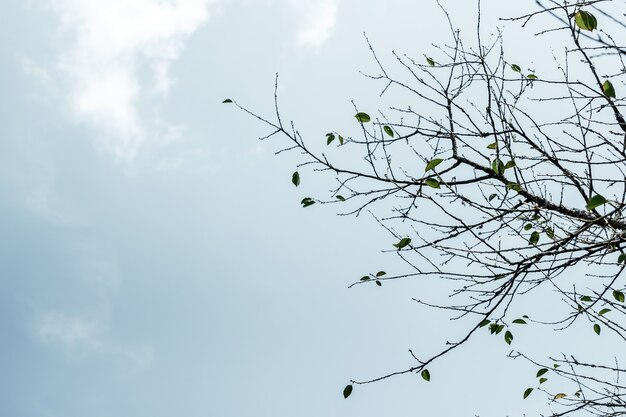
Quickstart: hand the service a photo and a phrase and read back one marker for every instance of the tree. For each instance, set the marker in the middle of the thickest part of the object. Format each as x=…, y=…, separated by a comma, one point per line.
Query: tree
x=504, y=184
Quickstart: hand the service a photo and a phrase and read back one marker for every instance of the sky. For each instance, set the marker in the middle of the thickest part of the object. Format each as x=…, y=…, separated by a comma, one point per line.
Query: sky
x=155, y=259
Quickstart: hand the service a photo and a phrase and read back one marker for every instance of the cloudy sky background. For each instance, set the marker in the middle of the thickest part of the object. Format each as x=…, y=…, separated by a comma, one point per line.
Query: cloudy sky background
x=155, y=260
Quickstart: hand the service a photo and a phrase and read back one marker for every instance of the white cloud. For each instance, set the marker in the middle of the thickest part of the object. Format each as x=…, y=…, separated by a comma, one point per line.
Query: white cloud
x=78, y=335
x=318, y=19
x=70, y=332
x=113, y=44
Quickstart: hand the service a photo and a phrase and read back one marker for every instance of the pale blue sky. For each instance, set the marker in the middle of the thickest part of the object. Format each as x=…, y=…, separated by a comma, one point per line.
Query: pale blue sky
x=155, y=260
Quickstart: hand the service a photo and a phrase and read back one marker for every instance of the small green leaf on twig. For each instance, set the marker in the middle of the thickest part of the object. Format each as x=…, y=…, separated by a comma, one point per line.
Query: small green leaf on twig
x=433, y=183
x=516, y=68
x=403, y=243
x=432, y=164
x=295, y=178
x=595, y=201
x=508, y=337
x=426, y=375
x=498, y=166
x=608, y=89
x=388, y=130
x=347, y=391
x=514, y=186
x=227, y=101
x=362, y=117
x=527, y=392
x=585, y=20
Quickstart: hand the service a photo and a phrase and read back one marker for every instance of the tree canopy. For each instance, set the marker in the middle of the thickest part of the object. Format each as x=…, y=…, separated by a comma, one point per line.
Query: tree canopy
x=504, y=184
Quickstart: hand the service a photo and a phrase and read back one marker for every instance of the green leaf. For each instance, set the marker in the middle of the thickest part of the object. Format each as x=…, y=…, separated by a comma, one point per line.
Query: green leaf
x=550, y=233
x=531, y=76
x=621, y=258
x=496, y=328
x=514, y=186
x=492, y=196
x=508, y=337
x=586, y=299
x=604, y=311
x=380, y=273
x=227, y=101
x=432, y=164
x=585, y=20
x=560, y=395
x=527, y=392
x=388, y=130
x=340, y=139
x=329, y=138
x=430, y=61
x=498, y=166
x=619, y=296
x=528, y=226
x=596, y=328
x=534, y=238
x=433, y=183
x=509, y=164
x=519, y=321
x=426, y=375
x=516, y=68
x=607, y=89
x=541, y=372
x=542, y=380
x=340, y=197
x=380, y=284
x=483, y=323
x=493, y=146
x=295, y=178
x=595, y=201
x=362, y=117
x=347, y=391
x=403, y=243
x=307, y=201
x=365, y=278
